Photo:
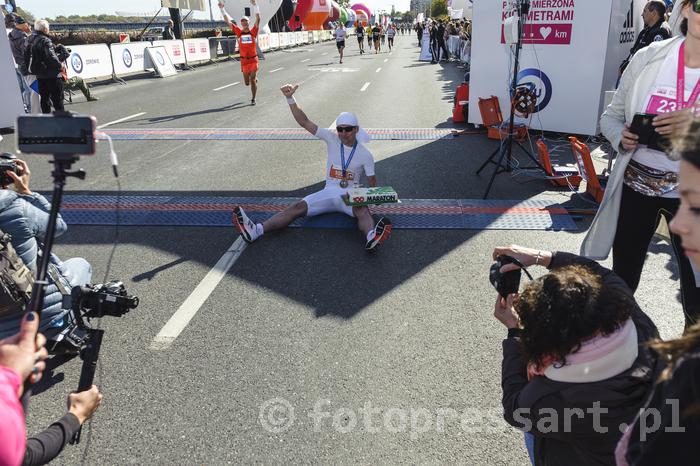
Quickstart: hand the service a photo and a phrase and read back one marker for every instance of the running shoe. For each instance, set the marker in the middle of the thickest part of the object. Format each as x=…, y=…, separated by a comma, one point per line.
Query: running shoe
x=252, y=101
x=243, y=224
x=382, y=231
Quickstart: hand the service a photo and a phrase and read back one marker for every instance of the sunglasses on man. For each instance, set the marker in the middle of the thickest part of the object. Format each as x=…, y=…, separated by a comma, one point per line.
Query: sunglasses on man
x=344, y=129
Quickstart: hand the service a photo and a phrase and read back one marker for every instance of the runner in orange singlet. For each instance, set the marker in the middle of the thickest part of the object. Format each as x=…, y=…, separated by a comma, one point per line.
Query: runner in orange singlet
x=246, y=46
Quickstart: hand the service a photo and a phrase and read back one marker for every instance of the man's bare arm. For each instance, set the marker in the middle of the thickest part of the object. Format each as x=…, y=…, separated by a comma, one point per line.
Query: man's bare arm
x=225, y=15
x=299, y=115
x=372, y=181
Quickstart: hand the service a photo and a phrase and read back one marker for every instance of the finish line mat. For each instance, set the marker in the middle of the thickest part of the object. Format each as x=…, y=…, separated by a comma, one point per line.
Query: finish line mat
x=266, y=134
x=191, y=210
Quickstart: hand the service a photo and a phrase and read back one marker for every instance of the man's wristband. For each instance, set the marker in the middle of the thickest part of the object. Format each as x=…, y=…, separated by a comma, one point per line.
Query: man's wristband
x=291, y=100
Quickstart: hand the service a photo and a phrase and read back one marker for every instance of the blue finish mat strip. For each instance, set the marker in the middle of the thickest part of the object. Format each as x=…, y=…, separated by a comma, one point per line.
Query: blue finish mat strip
x=266, y=134
x=192, y=210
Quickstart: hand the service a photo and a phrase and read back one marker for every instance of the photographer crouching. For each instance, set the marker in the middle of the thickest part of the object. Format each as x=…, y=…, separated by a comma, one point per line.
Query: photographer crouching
x=576, y=368
x=24, y=216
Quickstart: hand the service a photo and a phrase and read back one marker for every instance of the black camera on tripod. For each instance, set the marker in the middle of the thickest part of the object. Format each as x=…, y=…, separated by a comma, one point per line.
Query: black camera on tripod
x=108, y=299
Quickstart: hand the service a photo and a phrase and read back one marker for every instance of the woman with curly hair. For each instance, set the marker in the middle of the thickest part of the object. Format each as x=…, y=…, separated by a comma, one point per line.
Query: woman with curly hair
x=576, y=366
x=674, y=405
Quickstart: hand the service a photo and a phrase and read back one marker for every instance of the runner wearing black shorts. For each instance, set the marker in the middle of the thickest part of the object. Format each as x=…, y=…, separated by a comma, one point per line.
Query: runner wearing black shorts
x=360, y=31
x=340, y=33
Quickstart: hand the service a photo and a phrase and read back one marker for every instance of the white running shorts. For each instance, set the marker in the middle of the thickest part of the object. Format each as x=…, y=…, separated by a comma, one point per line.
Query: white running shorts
x=327, y=200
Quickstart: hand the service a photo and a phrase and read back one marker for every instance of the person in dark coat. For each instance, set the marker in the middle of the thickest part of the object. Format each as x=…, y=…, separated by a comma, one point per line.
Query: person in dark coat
x=576, y=365
x=43, y=62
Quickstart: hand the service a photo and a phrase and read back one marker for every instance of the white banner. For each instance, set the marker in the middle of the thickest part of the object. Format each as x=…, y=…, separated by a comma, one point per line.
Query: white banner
x=10, y=94
x=264, y=42
x=158, y=58
x=175, y=49
x=89, y=61
x=274, y=40
x=197, y=50
x=302, y=37
x=128, y=58
x=557, y=39
x=197, y=5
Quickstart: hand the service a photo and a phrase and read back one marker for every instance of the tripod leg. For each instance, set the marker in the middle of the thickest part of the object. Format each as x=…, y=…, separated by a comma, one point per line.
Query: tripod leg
x=504, y=151
x=489, y=160
x=529, y=154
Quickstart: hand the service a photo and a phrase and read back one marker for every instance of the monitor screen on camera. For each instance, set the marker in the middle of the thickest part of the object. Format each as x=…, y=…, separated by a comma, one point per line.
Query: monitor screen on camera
x=58, y=135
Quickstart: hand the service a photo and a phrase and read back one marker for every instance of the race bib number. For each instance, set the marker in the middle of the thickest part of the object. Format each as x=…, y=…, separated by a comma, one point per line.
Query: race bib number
x=663, y=100
x=246, y=39
x=337, y=173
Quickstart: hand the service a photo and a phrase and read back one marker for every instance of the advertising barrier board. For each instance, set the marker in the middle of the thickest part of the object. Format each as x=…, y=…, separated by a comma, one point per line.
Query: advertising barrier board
x=197, y=50
x=89, y=61
x=175, y=49
x=128, y=58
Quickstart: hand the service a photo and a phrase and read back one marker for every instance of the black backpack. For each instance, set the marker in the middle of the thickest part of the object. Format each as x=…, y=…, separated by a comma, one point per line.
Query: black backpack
x=34, y=56
x=16, y=280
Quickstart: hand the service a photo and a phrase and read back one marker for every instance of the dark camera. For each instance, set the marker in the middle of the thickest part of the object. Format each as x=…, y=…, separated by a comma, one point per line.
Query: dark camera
x=7, y=163
x=108, y=299
x=506, y=282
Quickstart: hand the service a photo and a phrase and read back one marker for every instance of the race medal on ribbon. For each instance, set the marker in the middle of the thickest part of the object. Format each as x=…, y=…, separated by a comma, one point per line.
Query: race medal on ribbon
x=344, y=166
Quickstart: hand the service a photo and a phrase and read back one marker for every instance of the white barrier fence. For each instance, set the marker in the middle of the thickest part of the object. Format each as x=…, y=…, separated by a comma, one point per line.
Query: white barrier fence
x=175, y=50
x=459, y=48
x=97, y=61
x=89, y=61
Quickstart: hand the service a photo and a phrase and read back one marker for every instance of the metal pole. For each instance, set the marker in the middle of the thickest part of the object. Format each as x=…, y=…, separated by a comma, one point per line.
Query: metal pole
x=211, y=12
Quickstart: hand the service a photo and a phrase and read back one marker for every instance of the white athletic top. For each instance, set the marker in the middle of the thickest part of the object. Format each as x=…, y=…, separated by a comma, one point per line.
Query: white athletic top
x=340, y=34
x=362, y=161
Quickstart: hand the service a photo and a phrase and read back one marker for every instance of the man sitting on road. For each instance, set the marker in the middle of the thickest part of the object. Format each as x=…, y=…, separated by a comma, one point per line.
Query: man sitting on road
x=347, y=159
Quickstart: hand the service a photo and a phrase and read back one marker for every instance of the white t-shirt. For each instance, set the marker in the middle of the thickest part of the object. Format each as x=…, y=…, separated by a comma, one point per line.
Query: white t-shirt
x=340, y=34
x=662, y=99
x=362, y=161
x=390, y=32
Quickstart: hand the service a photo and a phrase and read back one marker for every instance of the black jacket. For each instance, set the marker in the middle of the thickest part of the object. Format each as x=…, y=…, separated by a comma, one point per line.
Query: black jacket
x=563, y=439
x=43, y=448
x=658, y=32
x=168, y=33
x=18, y=44
x=42, y=50
x=665, y=445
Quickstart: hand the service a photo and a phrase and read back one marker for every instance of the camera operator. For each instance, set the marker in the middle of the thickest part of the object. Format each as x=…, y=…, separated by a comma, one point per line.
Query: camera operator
x=576, y=340
x=45, y=64
x=22, y=358
x=24, y=215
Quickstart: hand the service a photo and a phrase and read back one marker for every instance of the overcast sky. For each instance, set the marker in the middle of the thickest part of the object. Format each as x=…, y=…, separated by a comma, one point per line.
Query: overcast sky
x=53, y=8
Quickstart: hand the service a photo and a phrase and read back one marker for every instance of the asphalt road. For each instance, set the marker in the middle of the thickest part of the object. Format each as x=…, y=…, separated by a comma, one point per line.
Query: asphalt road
x=383, y=359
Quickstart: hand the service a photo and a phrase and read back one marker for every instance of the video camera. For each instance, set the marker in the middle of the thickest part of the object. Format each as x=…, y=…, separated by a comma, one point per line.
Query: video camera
x=108, y=299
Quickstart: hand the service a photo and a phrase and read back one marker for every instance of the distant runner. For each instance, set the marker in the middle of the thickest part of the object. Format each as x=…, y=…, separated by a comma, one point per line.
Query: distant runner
x=376, y=33
x=360, y=31
x=246, y=46
x=340, y=33
x=390, y=33
x=346, y=161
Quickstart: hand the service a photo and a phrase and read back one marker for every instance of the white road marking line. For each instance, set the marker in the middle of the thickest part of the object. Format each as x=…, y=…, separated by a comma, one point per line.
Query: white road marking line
x=364, y=88
x=197, y=298
x=224, y=87
x=305, y=60
x=378, y=69
x=121, y=119
x=276, y=70
x=324, y=53
x=386, y=60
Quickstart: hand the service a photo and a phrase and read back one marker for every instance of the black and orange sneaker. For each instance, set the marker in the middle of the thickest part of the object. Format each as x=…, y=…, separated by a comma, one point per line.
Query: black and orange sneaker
x=382, y=232
x=244, y=225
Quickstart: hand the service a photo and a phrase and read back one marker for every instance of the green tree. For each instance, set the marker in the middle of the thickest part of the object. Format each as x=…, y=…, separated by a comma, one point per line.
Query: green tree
x=438, y=8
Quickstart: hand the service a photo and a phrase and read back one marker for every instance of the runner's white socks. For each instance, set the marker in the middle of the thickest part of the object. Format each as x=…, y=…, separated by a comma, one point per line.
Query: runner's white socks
x=370, y=235
x=259, y=230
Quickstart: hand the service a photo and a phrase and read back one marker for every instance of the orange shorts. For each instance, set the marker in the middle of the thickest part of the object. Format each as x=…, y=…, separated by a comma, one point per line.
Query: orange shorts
x=249, y=65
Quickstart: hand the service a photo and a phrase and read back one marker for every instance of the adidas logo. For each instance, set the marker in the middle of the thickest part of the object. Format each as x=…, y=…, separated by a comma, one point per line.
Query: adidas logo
x=629, y=21
x=627, y=34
